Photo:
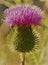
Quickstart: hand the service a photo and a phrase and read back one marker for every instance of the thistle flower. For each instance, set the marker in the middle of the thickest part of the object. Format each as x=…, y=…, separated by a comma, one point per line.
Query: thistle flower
x=23, y=38
x=23, y=15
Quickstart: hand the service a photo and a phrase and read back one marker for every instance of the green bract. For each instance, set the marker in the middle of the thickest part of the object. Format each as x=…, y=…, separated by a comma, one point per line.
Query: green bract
x=23, y=38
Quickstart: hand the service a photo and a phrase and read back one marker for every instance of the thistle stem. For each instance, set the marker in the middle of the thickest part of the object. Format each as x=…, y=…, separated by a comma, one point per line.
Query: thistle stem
x=23, y=62
x=23, y=59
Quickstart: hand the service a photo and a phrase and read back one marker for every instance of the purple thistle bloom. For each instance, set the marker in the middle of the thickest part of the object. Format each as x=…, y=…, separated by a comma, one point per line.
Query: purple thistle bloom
x=23, y=15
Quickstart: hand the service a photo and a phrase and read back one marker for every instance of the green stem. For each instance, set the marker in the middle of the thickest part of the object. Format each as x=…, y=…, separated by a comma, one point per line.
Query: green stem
x=22, y=56
x=23, y=62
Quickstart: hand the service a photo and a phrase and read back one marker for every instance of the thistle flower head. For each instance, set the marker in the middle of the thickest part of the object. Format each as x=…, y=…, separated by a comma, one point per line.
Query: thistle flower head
x=23, y=15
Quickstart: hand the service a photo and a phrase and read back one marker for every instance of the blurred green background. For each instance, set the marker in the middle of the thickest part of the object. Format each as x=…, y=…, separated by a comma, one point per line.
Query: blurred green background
x=40, y=55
